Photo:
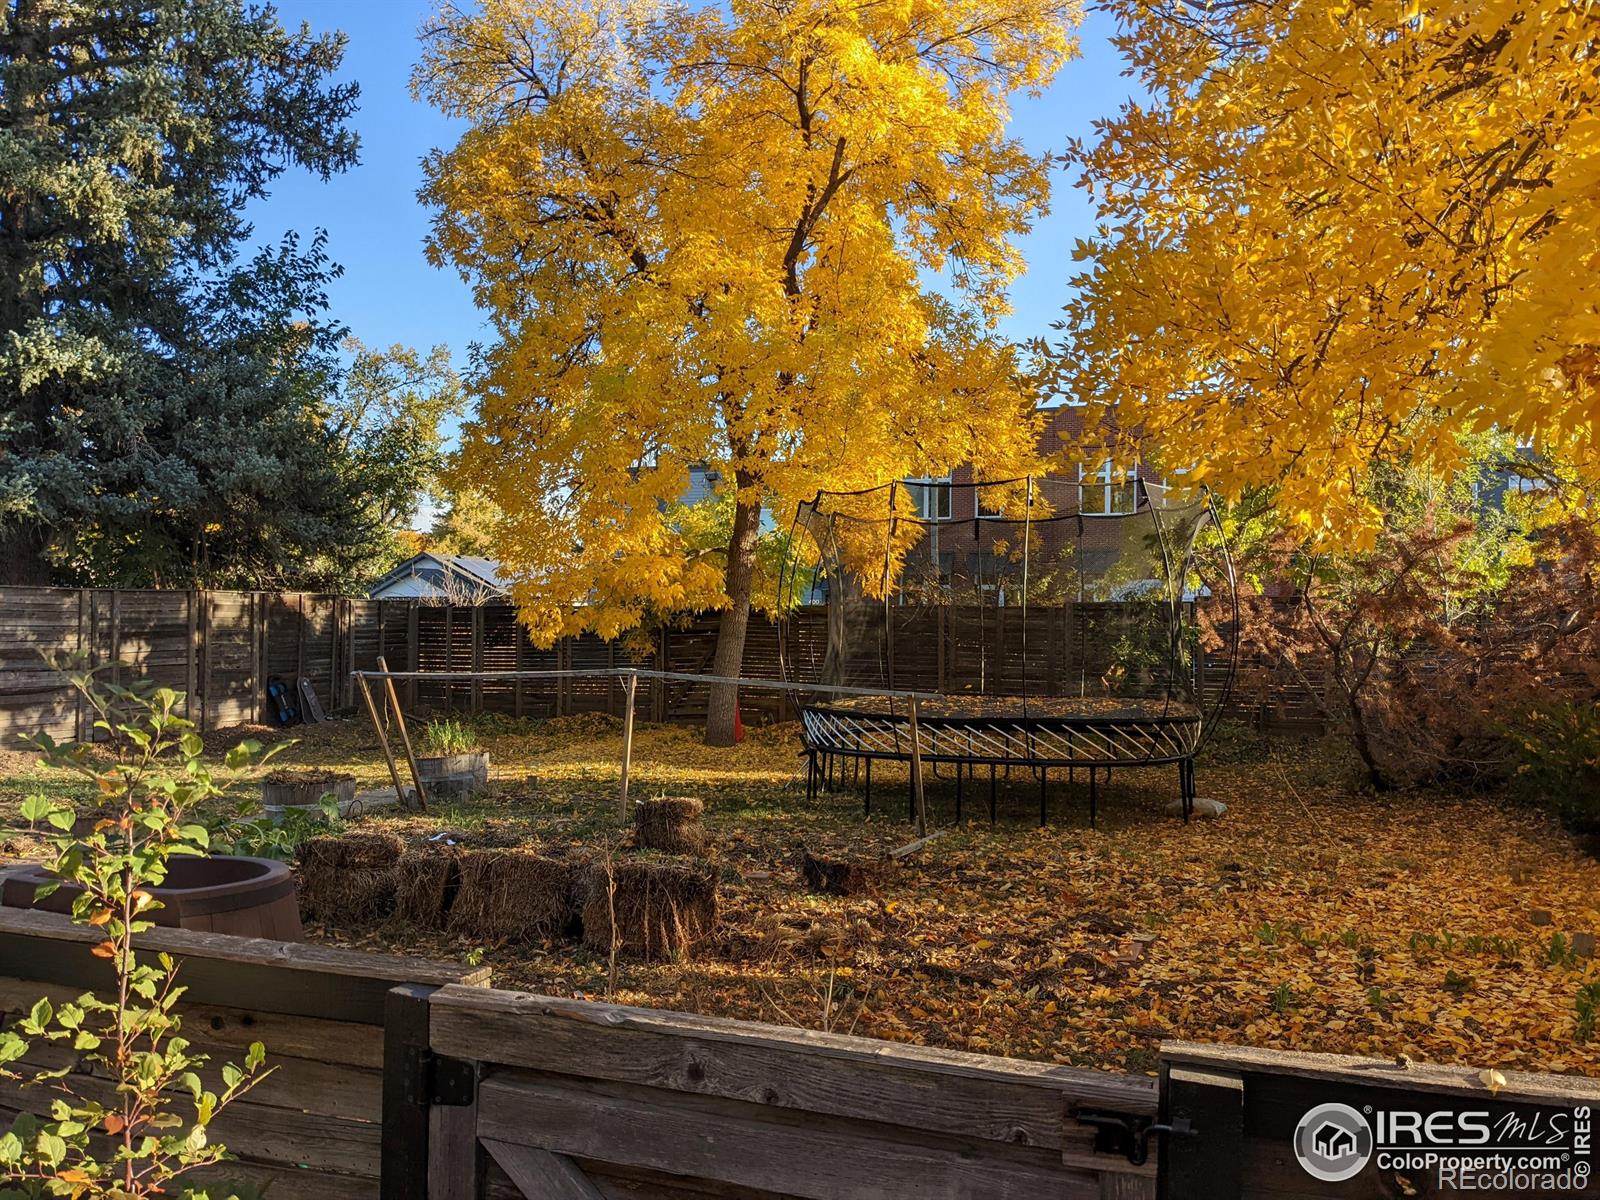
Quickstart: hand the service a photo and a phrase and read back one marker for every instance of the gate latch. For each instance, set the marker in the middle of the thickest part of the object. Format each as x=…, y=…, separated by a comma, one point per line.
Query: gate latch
x=434, y=1080
x=1118, y=1133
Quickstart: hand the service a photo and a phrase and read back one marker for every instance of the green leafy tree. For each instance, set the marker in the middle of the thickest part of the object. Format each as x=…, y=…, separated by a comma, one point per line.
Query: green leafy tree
x=465, y=524
x=147, y=376
x=145, y=1133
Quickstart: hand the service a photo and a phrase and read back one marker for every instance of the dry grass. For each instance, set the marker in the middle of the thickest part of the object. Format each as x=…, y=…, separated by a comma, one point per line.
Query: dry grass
x=426, y=887
x=515, y=895
x=348, y=877
x=653, y=908
x=670, y=824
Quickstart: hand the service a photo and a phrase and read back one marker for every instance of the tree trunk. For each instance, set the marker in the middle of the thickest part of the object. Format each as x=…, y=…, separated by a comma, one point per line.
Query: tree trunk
x=735, y=622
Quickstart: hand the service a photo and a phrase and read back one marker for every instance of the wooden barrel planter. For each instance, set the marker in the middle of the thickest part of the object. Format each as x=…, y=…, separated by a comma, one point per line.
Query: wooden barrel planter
x=306, y=789
x=454, y=776
x=250, y=897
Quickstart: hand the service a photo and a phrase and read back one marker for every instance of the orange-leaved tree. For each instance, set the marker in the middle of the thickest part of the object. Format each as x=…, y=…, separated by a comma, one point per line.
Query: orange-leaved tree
x=1342, y=233
x=711, y=236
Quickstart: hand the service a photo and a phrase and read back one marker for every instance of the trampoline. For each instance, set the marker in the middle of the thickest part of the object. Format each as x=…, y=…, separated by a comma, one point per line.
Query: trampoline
x=1064, y=627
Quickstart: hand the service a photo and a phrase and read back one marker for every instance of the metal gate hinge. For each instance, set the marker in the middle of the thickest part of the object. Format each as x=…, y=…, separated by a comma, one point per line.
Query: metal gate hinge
x=434, y=1080
x=1118, y=1133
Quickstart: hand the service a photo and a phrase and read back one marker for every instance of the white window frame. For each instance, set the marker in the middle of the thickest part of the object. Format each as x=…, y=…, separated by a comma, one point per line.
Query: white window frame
x=923, y=492
x=1105, y=477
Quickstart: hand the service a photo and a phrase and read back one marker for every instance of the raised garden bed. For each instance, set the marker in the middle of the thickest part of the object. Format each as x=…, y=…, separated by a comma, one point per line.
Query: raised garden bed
x=305, y=789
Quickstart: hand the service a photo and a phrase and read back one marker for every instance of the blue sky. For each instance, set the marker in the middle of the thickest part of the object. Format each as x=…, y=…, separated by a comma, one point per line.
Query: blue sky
x=376, y=227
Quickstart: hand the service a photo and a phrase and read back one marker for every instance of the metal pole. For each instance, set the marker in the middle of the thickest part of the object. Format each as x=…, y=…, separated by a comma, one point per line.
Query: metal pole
x=918, y=795
x=383, y=739
x=405, y=736
x=627, y=741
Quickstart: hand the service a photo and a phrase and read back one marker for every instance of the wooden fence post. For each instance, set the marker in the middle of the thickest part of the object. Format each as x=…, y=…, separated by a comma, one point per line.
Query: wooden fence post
x=477, y=657
x=205, y=660
x=84, y=652
x=628, y=691
x=404, y=1155
x=191, y=665
x=1208, y=1162
x=254, y=622
x=413, y=651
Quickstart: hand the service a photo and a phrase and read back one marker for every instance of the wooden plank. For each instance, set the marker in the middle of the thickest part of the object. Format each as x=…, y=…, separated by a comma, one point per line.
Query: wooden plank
x=541, y=1175
x=280, y=1183
x=818, y=1158
x=1377, y=1072
x=455, y=1156
x=975, y=1095
x=1127, y=1187
x=249, y=1130
x=284, y=977
x=413, y=651
x=207, y=656
x=320, y=1087
x=231, y=1030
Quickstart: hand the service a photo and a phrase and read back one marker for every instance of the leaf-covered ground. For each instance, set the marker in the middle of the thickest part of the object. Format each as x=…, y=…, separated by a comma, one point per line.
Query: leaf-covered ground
x=1309, y=917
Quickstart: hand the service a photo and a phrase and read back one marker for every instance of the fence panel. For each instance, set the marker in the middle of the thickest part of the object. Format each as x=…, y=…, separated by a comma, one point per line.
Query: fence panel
x=627, y=1101
x=218, y=648
x=221, y=648
x=315, y=1127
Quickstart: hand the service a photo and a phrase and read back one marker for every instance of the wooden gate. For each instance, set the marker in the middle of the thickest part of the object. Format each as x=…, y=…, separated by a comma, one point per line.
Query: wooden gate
x=567, y=1100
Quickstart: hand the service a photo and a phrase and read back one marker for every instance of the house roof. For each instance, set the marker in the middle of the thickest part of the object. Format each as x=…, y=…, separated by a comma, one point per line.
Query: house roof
x=407, y=578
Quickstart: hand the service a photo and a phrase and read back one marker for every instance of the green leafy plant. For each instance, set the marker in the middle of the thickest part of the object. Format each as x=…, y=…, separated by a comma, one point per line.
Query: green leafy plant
x=1557, y=760
x=140, y=1127
x=258, y=834
x=449, y=735
x=1587, y=1006
x=1560, y=952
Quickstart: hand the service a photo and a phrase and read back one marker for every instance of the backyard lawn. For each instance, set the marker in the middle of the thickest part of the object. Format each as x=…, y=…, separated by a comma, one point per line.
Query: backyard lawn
x=1309, y=917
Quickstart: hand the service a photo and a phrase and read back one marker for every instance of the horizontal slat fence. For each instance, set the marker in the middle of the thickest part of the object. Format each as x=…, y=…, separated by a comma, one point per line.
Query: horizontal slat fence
x=311, y=1130
x=218, y=648
x=991, y=651
x=221, y=648
x=640, y=1102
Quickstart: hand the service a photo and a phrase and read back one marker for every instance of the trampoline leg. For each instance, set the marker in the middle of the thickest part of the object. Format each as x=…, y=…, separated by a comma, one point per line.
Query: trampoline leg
x=1094, y=799
x=958, y=793
x=1044, y=776
x=869, y=787
x=811, y=777
x=991, y=794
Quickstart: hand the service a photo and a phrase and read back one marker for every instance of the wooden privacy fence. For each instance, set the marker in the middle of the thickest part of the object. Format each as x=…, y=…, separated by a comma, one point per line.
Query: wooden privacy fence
x=914, y=648
x=220, y=648
x=410, y=1080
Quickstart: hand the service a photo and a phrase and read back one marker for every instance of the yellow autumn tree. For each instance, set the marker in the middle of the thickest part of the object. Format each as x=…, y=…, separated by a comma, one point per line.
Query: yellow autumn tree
x=710, y=236
x=1345, y=232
